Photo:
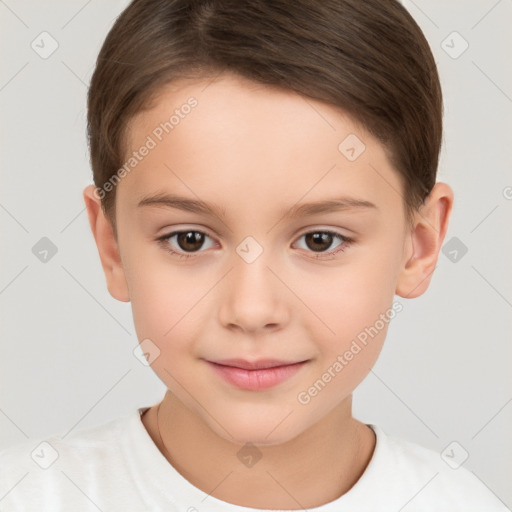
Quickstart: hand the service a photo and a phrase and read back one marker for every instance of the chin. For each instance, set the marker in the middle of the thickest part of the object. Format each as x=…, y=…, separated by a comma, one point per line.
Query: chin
x=257, y=429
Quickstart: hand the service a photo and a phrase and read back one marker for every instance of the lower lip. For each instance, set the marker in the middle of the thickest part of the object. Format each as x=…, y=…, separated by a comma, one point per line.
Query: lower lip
x=255, y=380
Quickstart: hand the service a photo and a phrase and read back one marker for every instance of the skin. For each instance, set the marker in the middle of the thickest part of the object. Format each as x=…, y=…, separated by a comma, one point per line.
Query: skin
x=255, y=152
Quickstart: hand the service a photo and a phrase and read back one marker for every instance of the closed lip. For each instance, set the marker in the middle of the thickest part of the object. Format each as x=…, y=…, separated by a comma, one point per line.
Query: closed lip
x=260, y=364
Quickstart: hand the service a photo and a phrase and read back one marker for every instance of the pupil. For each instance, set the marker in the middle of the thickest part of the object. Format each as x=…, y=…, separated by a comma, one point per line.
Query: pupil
x=190, y=240
x=324, y=239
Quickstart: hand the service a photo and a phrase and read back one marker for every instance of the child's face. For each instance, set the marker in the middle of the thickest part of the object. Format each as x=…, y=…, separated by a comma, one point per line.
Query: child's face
x=256, y=154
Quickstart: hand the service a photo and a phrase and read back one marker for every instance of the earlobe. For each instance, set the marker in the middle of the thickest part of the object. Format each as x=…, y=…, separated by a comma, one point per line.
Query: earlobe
x=107, y=245
x=424, y=241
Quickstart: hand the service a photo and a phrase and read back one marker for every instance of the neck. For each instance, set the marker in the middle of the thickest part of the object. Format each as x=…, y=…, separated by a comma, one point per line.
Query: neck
x=314, y=468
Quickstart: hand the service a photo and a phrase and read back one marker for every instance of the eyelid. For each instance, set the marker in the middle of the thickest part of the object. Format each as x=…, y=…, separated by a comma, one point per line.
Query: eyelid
x=325, y=228
x=173, y=230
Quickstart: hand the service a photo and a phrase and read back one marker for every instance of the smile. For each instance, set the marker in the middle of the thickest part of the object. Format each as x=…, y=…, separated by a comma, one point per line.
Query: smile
x=255, y=376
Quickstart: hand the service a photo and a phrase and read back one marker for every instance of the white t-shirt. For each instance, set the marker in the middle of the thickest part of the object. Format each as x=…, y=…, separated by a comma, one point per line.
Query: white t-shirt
x=117, y=467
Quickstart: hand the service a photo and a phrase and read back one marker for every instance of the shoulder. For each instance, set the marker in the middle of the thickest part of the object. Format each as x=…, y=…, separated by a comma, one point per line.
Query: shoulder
x=57, y=472
x=44, y=453
x=431, y=480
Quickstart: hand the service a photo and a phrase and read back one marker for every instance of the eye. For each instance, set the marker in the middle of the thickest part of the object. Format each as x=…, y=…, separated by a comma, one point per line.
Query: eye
x=187, y=241
x=317, y=241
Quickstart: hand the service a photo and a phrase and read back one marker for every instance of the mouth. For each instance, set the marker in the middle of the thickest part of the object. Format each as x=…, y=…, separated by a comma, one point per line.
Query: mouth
x=256, y=375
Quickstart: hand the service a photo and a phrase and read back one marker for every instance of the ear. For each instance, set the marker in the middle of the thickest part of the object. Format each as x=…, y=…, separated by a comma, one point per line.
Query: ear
x=423, y=242
x=107, y=246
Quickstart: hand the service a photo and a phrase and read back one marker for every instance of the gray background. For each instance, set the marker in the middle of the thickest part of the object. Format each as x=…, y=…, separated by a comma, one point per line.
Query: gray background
x=66, y=344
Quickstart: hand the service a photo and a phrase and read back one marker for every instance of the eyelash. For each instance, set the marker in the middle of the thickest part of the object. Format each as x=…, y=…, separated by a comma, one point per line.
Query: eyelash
x=346, y=242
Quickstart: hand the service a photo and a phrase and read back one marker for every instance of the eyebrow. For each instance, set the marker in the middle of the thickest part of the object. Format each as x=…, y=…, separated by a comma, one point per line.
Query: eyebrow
x=298, y=210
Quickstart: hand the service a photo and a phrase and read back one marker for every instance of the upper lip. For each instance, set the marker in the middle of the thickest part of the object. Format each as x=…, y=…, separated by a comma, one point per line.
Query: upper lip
x=254, y=365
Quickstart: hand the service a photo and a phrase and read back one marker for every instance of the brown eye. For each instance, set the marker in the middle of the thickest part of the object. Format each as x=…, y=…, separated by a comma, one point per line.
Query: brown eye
x=319, y=241
x=186, y=243
x=190, y=240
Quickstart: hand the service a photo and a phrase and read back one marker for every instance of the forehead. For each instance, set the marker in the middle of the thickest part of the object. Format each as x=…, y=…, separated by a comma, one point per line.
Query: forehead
x=244, y=145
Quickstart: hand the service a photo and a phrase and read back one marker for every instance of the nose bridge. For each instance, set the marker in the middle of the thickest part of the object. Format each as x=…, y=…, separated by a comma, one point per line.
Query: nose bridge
x=253, y=295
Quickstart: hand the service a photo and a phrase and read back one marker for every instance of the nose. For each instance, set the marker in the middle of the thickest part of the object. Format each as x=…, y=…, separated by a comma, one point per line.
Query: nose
x=253, y=298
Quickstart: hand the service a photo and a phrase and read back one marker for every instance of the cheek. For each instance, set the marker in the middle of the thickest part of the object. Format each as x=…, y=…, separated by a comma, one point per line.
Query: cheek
x=349, y=298
x=166, y=317
x=162, y=300
x=353, y=304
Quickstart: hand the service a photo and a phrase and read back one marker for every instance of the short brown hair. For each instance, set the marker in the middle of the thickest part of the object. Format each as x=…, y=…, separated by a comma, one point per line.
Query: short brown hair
x=368, y=58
